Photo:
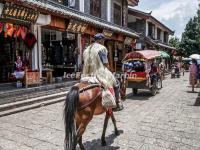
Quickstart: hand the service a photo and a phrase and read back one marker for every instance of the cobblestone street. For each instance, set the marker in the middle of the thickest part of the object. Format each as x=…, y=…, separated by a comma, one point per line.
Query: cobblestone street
x=169, y=120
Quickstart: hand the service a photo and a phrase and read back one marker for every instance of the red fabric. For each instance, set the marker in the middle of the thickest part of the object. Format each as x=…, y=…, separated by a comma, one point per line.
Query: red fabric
x=15, y=28
x=1, y=27
x=23, y=32
x=111, y=90
x=19, y=32
x=109, y=112
x=30, y=40
x=9, y=30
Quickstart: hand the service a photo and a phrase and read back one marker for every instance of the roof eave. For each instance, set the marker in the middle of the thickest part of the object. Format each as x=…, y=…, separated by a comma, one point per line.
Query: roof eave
x=67, y=12
x=133, y=2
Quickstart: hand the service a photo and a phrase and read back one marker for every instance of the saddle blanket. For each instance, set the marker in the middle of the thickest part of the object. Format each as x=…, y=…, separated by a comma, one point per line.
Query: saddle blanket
x=108, y=95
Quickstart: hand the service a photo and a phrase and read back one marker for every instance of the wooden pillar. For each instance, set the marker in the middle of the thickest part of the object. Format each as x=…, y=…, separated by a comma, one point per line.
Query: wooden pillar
x=110, y=57
x=125, y=13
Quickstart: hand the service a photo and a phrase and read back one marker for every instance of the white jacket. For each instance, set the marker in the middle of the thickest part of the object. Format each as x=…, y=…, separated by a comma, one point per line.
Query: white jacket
x=93, y=65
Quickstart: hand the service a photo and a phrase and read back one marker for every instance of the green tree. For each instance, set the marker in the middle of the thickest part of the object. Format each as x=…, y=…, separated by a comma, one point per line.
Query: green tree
x=190, y=42
x=175, y=42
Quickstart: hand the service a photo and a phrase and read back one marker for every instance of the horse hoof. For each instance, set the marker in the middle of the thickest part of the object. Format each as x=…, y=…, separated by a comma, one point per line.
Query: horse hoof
x=103, y=143
x=117, y=133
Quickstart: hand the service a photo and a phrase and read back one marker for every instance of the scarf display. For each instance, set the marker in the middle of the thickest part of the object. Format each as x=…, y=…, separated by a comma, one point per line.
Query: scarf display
x=1, y=27
x=9, y=30
x=30, y=40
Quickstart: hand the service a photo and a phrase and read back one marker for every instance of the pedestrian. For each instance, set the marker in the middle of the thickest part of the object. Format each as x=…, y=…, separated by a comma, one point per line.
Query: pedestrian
x=96, y=64
x=193, y=74
x=198, y=72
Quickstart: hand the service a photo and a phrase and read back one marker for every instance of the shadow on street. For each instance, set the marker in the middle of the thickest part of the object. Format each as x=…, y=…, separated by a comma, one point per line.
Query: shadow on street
x=197, y=103
x=142, y=95
x=96, y=143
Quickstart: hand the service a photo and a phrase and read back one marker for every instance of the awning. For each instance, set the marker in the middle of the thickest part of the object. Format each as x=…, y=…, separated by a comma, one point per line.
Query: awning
x=195, y=56
x=144, y=54
x=187, y=59
x=164, y=54
x=166, y=46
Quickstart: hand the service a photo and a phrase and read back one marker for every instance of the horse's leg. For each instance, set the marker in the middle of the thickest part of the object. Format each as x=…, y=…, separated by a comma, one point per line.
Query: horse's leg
x=115, y=126
x=103, y=141
x=80, y=143
x=80, y=131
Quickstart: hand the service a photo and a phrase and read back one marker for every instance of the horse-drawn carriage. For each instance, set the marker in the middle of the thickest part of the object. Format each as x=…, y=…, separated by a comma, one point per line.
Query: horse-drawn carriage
x=141, y=72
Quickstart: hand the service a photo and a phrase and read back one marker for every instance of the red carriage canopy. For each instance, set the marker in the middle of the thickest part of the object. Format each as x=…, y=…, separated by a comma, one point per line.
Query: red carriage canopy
x=143, y=54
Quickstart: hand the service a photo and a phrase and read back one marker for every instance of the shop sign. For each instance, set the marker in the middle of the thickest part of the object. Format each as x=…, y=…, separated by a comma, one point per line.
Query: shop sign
x=20, y=13
x=128, y=41
x=77, y=26
x=115, y=58
x=107, y=33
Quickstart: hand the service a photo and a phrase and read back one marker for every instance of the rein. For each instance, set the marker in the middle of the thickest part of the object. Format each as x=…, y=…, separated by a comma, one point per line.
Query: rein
x=93, y=99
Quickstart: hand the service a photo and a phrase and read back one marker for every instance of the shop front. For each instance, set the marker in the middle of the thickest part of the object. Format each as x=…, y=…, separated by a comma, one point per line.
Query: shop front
x=118, y=46
x=16, y=41
x=62, y=43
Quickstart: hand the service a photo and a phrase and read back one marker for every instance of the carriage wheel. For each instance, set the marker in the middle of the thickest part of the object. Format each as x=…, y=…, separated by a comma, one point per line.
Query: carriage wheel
x=135, y=91
x=159, y=83
x=154, y=89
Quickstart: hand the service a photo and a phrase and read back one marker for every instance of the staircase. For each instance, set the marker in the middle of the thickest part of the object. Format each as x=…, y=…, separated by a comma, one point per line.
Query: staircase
x=13, y=102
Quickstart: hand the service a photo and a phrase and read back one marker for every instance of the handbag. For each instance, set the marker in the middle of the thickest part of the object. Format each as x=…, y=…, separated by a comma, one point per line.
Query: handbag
x=108, y=98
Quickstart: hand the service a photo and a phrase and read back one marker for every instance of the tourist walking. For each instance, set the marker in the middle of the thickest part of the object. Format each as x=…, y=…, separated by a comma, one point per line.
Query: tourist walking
x=193, y=74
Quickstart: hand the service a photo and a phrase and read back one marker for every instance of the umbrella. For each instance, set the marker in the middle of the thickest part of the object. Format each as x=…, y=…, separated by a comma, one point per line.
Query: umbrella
x=195, y=56
x=164, y=54
x=187, y=59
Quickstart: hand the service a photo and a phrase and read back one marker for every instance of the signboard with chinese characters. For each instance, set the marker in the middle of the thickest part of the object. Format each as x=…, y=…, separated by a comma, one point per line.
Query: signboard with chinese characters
x=76, y=26
x=107, y=33
x=11, y=11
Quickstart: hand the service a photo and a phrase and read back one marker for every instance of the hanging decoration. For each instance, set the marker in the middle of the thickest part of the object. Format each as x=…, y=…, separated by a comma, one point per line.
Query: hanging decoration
x=23, y=32
x=9, y=30
x=15, y=28
x=30, y=40
x=1, y=27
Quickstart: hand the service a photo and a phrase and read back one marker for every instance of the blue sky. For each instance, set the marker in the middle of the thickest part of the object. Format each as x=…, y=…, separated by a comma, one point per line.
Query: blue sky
x=173, y=13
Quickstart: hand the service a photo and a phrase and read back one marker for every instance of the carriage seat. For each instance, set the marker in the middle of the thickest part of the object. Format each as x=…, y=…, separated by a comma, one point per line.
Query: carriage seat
x=91, y=80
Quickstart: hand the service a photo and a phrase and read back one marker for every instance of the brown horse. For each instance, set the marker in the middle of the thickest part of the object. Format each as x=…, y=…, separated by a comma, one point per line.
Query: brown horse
x=83, y=101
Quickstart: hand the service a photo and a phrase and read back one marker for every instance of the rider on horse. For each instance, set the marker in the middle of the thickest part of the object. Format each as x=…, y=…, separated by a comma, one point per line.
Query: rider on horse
x=96, y=64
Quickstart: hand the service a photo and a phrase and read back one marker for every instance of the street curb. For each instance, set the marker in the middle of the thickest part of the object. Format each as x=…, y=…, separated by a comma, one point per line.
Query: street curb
x=29, y=107
x=36, y=89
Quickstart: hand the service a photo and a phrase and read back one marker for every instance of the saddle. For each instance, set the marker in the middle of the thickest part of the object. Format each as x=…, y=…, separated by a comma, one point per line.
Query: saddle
x=108, y=95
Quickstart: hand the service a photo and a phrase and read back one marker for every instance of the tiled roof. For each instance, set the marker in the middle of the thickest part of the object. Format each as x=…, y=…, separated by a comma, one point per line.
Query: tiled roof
x=166, y=46
x=149, y=16
x=64, y=11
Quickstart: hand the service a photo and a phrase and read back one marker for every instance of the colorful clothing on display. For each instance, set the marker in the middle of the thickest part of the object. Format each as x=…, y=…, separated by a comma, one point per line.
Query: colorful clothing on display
x=9, y=30
x=1, y=27
x=30, y=40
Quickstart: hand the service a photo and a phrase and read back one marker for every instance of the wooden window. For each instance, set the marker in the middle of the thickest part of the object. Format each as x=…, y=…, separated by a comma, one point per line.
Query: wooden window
x=95, y=8
x=151, y=30
x=158, y=34
x=166, y=36
x=117, y=14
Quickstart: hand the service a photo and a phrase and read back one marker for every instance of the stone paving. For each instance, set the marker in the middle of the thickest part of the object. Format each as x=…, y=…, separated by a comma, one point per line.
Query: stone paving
x=169, y=120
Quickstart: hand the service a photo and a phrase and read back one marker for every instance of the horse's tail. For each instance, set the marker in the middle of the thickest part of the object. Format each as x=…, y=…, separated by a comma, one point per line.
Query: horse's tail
x=70, y=109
